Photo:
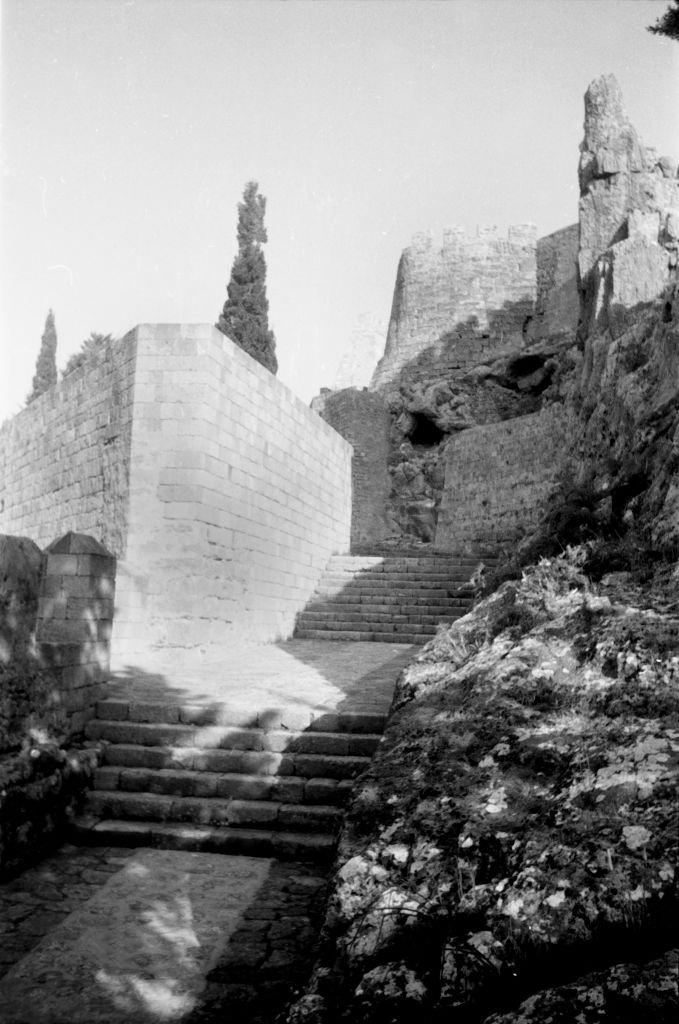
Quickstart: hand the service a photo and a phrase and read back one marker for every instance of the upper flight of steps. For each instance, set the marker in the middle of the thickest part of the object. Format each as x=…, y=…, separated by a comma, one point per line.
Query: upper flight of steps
x=396, y=598
x=180, y=776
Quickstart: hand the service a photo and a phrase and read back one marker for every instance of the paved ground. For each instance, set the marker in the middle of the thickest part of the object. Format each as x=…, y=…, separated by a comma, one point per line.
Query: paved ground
x=145, y=930
x=311, y=675
x=113, y=936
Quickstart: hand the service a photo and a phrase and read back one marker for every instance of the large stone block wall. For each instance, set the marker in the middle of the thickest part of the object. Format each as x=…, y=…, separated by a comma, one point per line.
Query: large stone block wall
x=486, y=280
x=557, y=306
x=64, y=459
x=239, y=493
x=498, y=477
x=362, y=417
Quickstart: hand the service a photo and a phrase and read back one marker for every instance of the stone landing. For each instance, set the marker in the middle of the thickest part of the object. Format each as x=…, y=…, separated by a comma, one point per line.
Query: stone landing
x=164, y=936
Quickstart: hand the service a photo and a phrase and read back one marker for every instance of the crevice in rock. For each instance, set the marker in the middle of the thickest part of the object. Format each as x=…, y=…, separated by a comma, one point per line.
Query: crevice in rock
x=424, y=432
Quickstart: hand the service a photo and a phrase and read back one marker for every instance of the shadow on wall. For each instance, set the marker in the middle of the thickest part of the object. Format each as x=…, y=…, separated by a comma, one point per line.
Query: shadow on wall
x=390, y=601
x=55, y=611
x=470, y=377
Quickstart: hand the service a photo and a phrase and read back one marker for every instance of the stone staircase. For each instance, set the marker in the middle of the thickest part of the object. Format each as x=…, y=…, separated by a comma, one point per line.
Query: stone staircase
x=397, y=598
x=197, y=766
x=183, y=776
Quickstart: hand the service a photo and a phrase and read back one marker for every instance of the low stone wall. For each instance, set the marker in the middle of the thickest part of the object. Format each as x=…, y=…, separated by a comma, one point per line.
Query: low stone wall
x=55, y=618
x=41, y=790
x=239, y=494
x=75, y=616
x=498, y=477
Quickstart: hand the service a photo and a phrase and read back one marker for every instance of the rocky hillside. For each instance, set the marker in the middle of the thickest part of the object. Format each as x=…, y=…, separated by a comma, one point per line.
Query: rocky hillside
x=511, y=855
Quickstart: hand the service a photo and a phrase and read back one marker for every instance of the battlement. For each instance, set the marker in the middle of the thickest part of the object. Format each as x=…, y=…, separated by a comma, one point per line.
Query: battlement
x=457, y=238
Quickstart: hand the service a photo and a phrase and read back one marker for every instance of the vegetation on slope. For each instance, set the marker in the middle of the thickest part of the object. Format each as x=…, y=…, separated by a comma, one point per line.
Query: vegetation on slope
x=518, y=828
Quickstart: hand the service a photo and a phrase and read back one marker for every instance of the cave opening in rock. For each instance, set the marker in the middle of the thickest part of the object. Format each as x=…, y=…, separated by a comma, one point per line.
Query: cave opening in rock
x=522, y=366
x=424, y=432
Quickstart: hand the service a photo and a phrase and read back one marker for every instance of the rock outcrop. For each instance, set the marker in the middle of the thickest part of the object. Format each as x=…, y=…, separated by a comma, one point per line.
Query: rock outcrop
x=629, y=213
x=511, y=854
x=518, y=824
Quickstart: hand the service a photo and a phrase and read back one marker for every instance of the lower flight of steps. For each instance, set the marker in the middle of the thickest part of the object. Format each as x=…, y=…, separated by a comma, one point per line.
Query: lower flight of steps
x=394, y=598
x=180, y=776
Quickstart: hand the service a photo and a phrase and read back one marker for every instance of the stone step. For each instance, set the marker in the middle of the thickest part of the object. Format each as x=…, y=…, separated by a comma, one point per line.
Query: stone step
x=286, y=789
x=417, y=587
x=361, y=636
x=459, y=577
x=360, y=614
x=176, y=836
x=237, y=762
x=225, y=737
x=290, y=720
x=370, y=622
x=369, y=626
x=226, y=813
x=390, y=597
x=394, y=604
x=346, y=604
x=411, y=560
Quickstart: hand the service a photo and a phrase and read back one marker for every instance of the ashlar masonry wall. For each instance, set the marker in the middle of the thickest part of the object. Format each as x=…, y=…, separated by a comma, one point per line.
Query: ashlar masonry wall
x=239, y=493
x=486, y=280
x=64, y=460
x=362, y=417
x=498, y=477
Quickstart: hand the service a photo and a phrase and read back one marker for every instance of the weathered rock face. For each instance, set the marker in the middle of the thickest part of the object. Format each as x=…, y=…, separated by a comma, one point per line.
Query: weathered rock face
x=518, y=823
x=461, y=304
x=511, y=854
x=628, y=394
x=629, y=205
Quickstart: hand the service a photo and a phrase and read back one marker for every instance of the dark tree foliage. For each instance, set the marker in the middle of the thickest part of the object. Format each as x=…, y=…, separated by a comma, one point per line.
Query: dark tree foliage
x=245, y=316
x=93, y=347
x=668, y=25
x=46, y=366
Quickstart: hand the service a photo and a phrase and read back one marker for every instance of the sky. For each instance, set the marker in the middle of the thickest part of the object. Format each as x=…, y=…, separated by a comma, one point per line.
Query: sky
x=130, y=127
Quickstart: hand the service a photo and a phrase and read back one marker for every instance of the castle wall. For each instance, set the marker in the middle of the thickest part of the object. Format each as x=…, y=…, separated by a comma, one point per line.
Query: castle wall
x=498, y=478
x=557, y=306
x=238, y=495
x=364, y=348
x=484, y=279
x=64, y=460
x=363, y=419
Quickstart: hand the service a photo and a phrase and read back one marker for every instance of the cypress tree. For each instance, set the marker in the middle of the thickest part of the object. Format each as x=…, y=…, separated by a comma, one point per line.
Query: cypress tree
x=46, y=366
x=245, y=316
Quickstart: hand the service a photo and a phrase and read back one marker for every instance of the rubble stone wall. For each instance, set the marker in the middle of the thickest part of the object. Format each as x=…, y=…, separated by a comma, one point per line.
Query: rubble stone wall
x=64, y=460
x=498, y=477
x=239, y=493
x=440, y=291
